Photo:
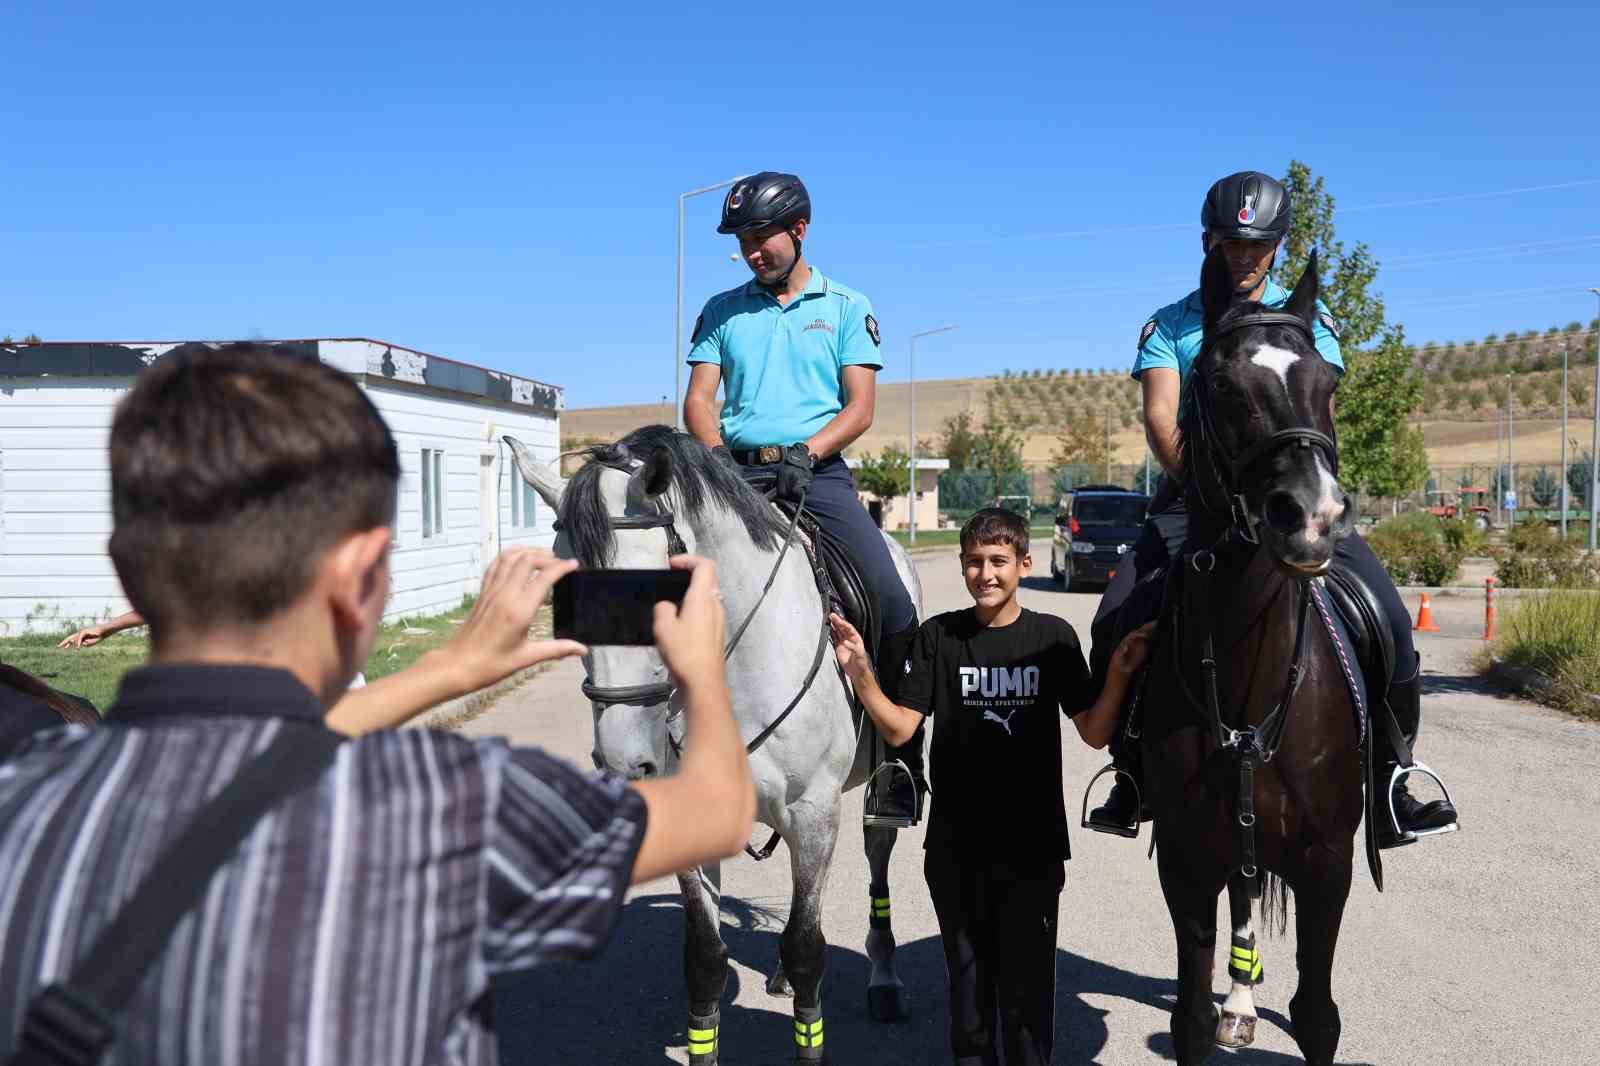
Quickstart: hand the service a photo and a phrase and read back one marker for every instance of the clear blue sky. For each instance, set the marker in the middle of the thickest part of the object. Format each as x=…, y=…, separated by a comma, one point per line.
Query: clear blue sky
x=498, y=184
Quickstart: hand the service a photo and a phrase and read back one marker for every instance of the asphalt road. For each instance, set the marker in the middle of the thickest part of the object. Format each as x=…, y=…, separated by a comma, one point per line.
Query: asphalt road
x=1482, y=951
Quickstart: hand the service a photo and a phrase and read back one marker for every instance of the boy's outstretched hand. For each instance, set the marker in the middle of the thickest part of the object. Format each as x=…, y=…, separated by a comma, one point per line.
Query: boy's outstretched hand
x=849, y=648
x=1133, y=651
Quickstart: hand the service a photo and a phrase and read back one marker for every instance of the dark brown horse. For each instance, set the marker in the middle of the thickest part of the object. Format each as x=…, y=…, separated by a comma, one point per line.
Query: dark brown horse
x=1252, y=733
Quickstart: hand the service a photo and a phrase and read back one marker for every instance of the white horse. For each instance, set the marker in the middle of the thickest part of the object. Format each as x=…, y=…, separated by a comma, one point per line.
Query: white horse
x=630, y=506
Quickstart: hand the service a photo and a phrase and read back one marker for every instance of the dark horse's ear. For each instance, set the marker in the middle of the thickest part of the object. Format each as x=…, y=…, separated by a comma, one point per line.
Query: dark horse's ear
x=1217, y=291
x=1303, y=300
x=656, y=476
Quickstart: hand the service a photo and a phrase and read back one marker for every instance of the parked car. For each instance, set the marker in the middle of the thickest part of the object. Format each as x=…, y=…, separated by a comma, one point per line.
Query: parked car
x=1095, y=526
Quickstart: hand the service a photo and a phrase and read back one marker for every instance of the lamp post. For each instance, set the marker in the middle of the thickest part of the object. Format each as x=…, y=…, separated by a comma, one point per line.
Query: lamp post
x=911, y=465
x=1564, y=439
x=1511, y=436
x=1594, y=447
x=677, y=322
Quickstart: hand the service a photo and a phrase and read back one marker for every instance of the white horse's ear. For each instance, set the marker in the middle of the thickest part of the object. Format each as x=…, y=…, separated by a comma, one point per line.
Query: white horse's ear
x=550, y=485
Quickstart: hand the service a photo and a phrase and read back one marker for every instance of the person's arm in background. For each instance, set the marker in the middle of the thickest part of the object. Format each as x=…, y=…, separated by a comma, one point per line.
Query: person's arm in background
x=1161, y=390
x=702, y=813
x=861, y=390
x=1097, y=723
x=491, y=645
x=894, y=723
x=89, y=636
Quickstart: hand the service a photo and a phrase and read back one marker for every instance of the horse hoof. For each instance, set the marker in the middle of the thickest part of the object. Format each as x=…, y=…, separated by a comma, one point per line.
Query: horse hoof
x=888, y=1003
x=778, y=985
x=1236, y=1030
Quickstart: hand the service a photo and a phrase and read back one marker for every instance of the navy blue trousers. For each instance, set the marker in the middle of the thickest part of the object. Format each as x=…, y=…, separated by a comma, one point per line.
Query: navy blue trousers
x=837, y=508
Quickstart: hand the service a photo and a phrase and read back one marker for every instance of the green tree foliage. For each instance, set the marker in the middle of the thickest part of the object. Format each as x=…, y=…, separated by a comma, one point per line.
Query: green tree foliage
x=1347, y=276
x=884, y=475
x=1545, y=487
x=1380, y=454
x=1579, y=391
x=997, y=447
x=1579, y=476
x=957, y=439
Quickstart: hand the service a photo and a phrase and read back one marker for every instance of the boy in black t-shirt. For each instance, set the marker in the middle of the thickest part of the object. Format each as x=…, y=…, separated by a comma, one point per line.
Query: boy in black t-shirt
x=992, y=676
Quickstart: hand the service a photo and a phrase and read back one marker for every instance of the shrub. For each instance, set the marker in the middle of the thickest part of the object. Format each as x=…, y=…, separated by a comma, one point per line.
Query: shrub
x=1537, y=557
x=1417, y=549
x=1559, y=636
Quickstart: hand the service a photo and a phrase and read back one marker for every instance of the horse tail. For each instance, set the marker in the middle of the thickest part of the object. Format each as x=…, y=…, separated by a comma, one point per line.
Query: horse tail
x=1274, y=902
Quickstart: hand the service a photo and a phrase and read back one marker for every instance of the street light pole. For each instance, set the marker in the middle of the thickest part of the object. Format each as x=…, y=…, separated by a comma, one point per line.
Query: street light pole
x=1511, y=436
x=1564, y=347
x=1594, y=447
x=911, y=464
x=677, y=321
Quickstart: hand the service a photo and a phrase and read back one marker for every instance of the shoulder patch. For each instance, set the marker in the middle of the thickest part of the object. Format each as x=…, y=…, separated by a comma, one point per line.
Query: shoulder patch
x=872, y=331
x=694, y=338
x=1144, y=334
x=1327, y=320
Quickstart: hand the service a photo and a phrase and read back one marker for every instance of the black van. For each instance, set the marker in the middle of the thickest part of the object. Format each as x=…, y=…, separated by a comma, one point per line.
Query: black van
x=1095, y=525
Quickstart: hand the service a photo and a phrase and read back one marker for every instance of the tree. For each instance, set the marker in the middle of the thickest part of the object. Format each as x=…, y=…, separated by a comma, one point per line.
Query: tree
x=997, y=447
x=1579, y=392
x=1379, y=453
x=884, y=475
x=957, y=440
x=1579, y=476
x=1347, y=276
x=1544, y=487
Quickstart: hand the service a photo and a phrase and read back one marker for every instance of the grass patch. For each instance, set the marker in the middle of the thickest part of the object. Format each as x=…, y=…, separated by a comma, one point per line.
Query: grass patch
x=1558, y=635
x=95, y=673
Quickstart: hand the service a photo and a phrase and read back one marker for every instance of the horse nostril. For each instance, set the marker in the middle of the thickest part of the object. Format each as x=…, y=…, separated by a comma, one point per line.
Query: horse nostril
x=1284, y=513
x=647, y=769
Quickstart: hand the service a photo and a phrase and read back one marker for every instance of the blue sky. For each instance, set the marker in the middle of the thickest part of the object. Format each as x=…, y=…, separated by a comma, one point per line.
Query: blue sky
x=498, y=184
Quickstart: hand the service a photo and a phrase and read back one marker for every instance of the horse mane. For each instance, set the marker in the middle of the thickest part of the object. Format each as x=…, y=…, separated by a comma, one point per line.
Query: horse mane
x=699, y=480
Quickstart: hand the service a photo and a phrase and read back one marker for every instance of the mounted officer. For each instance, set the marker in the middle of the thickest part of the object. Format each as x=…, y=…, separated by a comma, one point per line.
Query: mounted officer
x=796, y=356
x=1248, y=215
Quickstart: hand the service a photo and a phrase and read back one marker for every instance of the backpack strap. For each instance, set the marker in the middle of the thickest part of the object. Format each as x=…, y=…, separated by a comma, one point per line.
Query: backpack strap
x=73, y=1023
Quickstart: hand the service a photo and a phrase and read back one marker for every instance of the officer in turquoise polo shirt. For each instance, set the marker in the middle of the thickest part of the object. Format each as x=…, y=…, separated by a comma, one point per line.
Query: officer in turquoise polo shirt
x=796, y=357
x=1248, y=215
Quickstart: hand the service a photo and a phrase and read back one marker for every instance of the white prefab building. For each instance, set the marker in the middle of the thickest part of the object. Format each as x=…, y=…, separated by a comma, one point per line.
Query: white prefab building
x=461, y=497
x=895, y=512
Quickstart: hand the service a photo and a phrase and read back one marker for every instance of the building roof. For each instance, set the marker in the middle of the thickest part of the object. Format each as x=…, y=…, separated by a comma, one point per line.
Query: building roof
x=922, y=463
x=361, y=356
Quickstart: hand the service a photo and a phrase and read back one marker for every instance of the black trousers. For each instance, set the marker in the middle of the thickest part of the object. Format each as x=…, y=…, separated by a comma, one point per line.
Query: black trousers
x=998, y=924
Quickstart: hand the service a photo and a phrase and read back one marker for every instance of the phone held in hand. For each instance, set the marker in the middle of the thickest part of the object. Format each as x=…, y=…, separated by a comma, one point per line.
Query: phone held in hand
x=614, y=606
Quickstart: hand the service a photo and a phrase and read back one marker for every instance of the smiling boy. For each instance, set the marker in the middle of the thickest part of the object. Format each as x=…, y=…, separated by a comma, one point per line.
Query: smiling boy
x=993, y=677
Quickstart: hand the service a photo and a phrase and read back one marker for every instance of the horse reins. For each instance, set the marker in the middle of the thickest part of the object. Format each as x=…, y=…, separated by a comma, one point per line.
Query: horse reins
x=1255, y=744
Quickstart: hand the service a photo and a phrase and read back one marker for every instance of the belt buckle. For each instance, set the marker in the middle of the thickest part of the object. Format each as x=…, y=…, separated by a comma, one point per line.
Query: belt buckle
x=769, y=453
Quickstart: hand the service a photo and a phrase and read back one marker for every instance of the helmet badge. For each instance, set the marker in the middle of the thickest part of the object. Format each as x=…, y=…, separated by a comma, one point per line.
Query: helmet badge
x=1247, y=213
x=736, y=198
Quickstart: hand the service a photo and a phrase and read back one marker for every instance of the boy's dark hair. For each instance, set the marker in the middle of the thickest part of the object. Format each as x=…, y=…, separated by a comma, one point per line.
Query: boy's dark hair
x=995, y=525
x=232, y=471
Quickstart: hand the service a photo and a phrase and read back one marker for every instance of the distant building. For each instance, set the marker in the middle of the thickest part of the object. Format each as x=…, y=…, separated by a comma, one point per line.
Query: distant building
x=461, y=497
x=895, y=512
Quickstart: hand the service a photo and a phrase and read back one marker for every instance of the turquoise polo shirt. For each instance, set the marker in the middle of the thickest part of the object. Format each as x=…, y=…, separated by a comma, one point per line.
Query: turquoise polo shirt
x=1172, y=335
x=783, y=366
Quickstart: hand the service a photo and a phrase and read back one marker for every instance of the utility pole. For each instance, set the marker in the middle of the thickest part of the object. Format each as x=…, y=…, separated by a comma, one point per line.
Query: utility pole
x=911, y=457
x=1594, y=448
x=1511, y=436
x=1108, y=445
x=1497, y=484
x=677, y=322
x=1564, y=347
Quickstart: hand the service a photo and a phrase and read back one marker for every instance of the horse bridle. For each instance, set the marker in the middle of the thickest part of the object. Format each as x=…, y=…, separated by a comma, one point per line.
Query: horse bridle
x=1227, y=483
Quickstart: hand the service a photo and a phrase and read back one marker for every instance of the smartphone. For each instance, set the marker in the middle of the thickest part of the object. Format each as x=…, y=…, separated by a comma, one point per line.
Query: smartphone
x=614, y=606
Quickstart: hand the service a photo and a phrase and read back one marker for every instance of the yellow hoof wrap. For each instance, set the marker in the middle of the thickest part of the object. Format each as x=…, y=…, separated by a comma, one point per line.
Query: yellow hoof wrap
x=808, y=1034
x=1244, y=964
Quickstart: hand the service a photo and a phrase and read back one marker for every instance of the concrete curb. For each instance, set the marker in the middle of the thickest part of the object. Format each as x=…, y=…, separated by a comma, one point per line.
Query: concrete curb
x=1462, y=591
x=452, y=714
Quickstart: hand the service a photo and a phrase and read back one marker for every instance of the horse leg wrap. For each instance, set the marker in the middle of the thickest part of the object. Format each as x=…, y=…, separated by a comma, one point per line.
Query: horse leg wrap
x=703, y=1036
x=1244, y=961
x=808, y=1034
x=880, y=909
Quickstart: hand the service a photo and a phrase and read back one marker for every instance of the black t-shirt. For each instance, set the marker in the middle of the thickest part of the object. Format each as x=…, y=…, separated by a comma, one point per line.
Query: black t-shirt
x=994, y=694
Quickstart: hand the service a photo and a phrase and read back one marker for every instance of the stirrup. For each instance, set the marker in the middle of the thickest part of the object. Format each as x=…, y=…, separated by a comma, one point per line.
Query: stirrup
x=1131, y=832
x=871, y=818
x=1395, y=778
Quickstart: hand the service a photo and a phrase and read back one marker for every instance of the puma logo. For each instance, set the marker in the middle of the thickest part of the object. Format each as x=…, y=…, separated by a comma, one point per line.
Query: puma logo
x=999, y=681
x=1004, y=723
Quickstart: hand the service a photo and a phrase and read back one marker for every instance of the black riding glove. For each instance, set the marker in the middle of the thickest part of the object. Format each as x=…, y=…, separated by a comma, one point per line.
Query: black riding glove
x=721, y=453
x=794, y=473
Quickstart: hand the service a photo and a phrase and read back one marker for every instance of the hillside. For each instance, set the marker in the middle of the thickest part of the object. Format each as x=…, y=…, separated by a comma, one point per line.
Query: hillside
x=1463, y=401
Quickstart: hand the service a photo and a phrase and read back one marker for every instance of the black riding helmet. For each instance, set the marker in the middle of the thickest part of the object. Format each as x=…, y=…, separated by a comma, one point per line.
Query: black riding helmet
x=1247, y=206
x=764, y=200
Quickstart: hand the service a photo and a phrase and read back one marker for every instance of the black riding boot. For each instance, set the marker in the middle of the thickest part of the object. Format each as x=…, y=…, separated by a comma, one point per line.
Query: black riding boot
x=895, y=797
x=1405, y=700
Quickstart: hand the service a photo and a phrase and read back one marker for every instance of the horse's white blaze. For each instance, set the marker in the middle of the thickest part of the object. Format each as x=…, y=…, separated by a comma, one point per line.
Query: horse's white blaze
x=1276, y=360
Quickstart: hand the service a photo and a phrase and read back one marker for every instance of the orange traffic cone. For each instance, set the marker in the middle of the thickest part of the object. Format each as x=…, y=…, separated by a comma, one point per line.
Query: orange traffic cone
x=1425, y=623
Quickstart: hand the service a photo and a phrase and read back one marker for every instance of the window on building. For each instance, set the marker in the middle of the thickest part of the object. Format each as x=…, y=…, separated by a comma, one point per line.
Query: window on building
x=524, y=501
x=432, y=493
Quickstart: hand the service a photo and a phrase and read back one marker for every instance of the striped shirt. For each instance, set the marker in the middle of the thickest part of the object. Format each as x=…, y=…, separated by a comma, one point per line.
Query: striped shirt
x=361, y=920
